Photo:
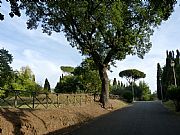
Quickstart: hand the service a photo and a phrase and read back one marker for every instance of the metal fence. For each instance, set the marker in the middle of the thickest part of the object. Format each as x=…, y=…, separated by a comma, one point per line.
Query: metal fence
x=32, y=99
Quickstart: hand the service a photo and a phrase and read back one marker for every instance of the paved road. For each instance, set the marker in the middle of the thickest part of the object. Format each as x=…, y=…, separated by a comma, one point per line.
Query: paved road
x=142, y=118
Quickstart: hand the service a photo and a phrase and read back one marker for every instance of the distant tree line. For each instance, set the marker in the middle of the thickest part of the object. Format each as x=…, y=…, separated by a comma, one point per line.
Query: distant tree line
x=81, y=79
x=130, y=90
x=24, y=79
x=168, y=78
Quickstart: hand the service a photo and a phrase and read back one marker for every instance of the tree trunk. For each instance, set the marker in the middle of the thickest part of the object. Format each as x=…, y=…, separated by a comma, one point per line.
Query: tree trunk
x=105, y=85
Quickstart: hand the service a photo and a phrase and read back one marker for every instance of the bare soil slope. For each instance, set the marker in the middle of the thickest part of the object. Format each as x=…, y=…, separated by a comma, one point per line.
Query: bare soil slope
x=47, y=121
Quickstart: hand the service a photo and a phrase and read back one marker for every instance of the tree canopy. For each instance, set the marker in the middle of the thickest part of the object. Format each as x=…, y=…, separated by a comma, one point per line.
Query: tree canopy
x=103, y=30
x=14, y=5
x=132, y=75
x=84, y=78
x=24, y=79
x=67, y=69
x=5, y=69
x=15, y=80
x=89, y=76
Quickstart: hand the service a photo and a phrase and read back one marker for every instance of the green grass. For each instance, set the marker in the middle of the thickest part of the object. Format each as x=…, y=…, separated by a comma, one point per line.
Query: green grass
x=170, y=106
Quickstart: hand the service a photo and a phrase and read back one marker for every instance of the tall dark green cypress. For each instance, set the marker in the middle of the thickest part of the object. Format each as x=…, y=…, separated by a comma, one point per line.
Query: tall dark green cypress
x=177, y=67
x=167, y=74
x=47, y=85
x=114, y=82
x=159, y=82
x=177, y=60
x=119, y=84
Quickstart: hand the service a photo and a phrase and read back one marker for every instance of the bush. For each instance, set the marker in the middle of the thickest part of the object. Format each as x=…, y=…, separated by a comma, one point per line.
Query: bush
x=128, y=96
x=117, y=90
x=173, y=93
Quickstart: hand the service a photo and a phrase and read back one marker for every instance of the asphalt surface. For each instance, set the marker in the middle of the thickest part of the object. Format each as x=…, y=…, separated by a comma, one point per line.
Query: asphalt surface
x=142, y=118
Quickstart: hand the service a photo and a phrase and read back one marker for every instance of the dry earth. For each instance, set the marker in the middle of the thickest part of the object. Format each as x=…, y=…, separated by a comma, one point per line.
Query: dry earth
x=51, y=121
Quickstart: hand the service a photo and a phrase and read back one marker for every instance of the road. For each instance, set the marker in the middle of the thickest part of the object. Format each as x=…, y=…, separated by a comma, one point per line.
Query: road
x=142, y=118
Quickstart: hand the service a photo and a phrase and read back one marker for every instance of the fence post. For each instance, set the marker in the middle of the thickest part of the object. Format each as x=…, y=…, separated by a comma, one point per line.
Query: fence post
x=46, y=100
x=15, y=99
x=67, y=100
x=33, y=96
x=85, y=98
x=74, y=100
x=94, y=96
x=80, y=100
x=57, y=95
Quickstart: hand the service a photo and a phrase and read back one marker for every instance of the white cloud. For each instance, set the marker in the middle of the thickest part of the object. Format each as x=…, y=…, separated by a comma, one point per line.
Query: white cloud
x=41, y=67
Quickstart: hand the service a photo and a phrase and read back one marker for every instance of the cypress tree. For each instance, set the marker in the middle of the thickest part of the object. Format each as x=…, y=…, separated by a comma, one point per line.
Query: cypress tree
x=177, y=60
x=47, y=85
x=122, y=85
x=159, y=84
x=114, y=82
x=119, y=84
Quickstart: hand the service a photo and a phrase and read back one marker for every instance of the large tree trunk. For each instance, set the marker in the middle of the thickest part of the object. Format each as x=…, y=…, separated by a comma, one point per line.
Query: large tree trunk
x=105, y=85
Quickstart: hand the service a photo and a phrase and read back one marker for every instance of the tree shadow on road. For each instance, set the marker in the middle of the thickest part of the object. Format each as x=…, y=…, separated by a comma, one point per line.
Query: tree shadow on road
x=89, y=119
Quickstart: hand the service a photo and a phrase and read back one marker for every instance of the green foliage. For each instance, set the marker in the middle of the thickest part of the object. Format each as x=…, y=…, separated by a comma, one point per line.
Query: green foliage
x=141, y=91
x=84, y=78
x=159, y=82
x=118, y=90
x=114, y=82
x=25, y=80
x=47, y=85
x=5, y=69
x=132, y=75
x=111, y=28
x=106, y=31
x=173, y=93
x=128, y=96
x=17, y=80
x=14, y=9
x=146, y=92
x=177, y=71
x=68, y=84
x=167, y=76
x=67, y=69
x=89, y=76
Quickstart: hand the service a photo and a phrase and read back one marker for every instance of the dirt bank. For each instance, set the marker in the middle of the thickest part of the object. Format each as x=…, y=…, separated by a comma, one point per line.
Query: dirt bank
x=48, y=121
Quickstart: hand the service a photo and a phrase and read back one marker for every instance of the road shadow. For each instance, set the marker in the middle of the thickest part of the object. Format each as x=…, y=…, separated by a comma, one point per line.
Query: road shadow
x=69, y=129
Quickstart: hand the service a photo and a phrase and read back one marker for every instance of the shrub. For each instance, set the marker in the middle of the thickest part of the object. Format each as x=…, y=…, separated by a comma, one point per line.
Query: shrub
x=117, y=90
x=128, y=96
x=173, y=93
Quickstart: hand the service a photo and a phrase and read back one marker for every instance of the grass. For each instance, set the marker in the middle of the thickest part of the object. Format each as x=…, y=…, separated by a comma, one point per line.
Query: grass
x=170, y=106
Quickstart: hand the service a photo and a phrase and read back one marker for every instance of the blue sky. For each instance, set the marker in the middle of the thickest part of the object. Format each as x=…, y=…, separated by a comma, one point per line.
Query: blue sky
x=45, y=54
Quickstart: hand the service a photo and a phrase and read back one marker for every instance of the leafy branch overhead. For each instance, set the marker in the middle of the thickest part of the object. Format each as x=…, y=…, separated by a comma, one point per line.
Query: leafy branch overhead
x=118, y=27
x=104, y=30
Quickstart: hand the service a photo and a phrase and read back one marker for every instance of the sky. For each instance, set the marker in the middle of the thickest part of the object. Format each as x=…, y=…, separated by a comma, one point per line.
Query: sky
x=45, y=54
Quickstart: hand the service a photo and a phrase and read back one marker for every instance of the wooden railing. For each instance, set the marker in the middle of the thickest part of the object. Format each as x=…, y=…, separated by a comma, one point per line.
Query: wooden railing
x=32, y=99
